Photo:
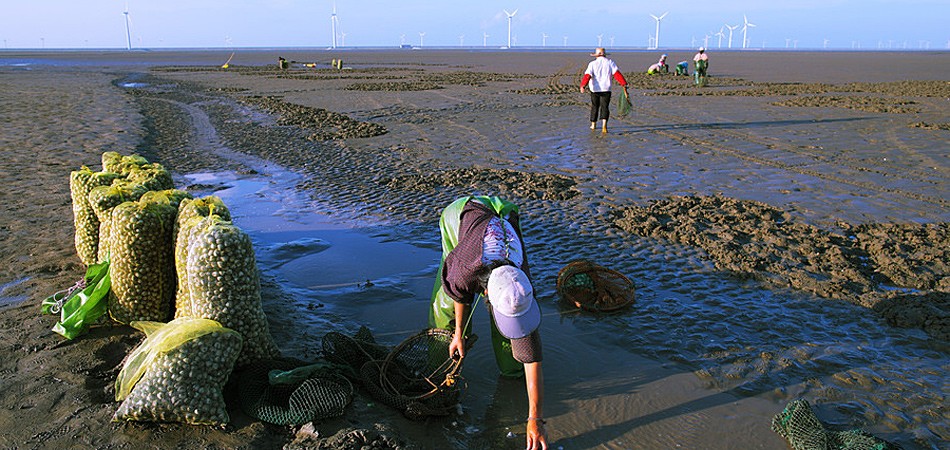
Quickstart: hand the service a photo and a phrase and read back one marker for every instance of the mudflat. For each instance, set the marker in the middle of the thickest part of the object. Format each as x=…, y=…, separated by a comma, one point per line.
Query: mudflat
x=786, y=228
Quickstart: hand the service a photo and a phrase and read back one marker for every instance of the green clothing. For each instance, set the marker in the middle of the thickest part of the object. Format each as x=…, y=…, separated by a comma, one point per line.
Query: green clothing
x=442, y=309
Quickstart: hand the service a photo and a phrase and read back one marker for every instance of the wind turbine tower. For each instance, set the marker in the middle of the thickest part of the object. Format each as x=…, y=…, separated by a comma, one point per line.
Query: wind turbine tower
x=128, y=28
x=510, y=15
x=731, y=29
x=333, y=23
x=544, y=39
x=422, y=34
x=721, y=35
x=484, y=39
x=745, y=29
x=656, y=41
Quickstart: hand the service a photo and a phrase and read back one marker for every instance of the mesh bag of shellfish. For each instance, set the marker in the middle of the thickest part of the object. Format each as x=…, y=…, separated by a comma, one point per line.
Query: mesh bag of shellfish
x=178, y=372
x=188, y=210
x=153, y=176
x=141, y=250
x=81, y=182
x=224, y=284
x=114, y=162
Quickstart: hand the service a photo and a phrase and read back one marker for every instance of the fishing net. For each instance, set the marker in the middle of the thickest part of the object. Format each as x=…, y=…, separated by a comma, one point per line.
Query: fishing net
x=417, y=377
x=800, y=426
x=191, y=209
x=287, y=392
x=594, y=288
x=224, y=284
x=177, y=373
x=81, y=182
x=141, y=250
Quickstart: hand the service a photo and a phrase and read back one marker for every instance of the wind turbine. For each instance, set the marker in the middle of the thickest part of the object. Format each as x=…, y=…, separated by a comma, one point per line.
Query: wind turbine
x=731, y=29
x=544, y=39
x=402, y=40
x=333, y=24
x=422, y=34
x=611, y=42
x=461, y=40
x=600, y=39
x=510, y=15
x=745, y=29
x=656, y=41
x=565, y=42
x=128, y=28
x=484, y=39
x=721, y=35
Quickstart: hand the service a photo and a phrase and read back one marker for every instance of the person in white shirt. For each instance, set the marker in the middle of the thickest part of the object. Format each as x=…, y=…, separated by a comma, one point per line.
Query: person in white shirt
x=597, y=78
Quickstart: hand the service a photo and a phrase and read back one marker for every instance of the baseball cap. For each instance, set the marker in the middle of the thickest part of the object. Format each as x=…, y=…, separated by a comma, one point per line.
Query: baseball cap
x=513, y=305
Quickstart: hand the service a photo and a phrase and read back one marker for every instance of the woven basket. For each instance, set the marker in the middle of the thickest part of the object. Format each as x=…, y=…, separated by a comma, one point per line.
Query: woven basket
x=594, y=288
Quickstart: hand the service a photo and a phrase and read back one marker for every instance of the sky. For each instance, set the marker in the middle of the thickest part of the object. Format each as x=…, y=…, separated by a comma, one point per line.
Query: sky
x=796, y=24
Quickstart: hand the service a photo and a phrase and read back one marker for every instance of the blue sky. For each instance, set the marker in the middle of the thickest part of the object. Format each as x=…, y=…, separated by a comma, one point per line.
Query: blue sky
x=803, y=24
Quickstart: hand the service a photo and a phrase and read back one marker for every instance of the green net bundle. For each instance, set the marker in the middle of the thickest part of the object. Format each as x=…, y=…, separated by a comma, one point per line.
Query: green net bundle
x=114, y=162
x=81, y=182
x=141, y=249
x=177, y=373
x=798, y=424
x=191, y=209
x=623, y=104
x=224, y=284
x=287, y=392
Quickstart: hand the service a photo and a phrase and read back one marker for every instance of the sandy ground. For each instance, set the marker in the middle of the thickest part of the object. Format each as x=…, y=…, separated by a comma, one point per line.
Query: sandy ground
x=848, y=161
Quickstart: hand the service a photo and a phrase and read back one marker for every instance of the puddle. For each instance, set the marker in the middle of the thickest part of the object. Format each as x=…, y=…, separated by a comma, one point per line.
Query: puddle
x=6, y=299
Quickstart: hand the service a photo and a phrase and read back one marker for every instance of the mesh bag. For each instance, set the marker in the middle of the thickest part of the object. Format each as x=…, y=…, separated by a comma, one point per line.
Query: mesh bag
x=114, y=162
x=225, y=286
x=594, y=288
x=81, y=182
x=140, y=247
x=310, y=393
x=800, y=426
x=190, y=211
x=623, y=104
x=177, y=374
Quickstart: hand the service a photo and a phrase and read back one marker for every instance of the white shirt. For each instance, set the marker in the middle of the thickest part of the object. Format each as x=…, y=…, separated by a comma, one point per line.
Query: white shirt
x=601, y=70
x=501, y=242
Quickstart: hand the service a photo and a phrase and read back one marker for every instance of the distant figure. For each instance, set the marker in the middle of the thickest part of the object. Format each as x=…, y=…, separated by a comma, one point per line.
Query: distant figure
x=682, y=68
x=597, y=78
x=701, y=62
x=659, y=67
x=282, y=63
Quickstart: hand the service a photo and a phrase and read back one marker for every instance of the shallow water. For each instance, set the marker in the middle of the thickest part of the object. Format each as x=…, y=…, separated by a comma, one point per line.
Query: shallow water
x=736, y=353
x=702, y=360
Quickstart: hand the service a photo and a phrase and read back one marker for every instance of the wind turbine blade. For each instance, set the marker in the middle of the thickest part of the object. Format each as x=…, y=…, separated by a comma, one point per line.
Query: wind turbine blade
x=664, y=15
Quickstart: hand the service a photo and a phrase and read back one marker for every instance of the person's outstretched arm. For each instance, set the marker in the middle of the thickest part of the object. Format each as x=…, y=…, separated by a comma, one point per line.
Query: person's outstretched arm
x=534, y=382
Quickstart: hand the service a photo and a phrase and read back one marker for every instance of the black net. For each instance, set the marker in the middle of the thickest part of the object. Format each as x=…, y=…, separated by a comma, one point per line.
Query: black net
x=800, y=426
x=286, y=392
x=416, y=377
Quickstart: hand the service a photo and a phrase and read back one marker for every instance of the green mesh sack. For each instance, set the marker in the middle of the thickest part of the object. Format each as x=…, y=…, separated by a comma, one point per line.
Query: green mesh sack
x=177, y=373
x=103, y=198
x=141, y=250
x=354, y=351
x=188, y=210
x=153, y=176
x=114, y=162
x=799, y=425
x=286, y=392
x=224, y=284
x=86, y=238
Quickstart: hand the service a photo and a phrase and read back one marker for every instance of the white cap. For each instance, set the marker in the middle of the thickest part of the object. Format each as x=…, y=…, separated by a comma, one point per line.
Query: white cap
x=514, y=308
x=702, y=49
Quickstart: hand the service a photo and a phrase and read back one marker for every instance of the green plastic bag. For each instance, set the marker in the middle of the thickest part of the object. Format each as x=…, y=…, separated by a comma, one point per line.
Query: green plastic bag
x=624, y=106
x=81, y=307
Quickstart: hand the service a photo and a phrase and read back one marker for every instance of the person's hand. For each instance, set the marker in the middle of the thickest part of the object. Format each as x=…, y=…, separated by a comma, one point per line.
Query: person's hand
x=536, y=436
x=582, y=89
x=457, y=346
